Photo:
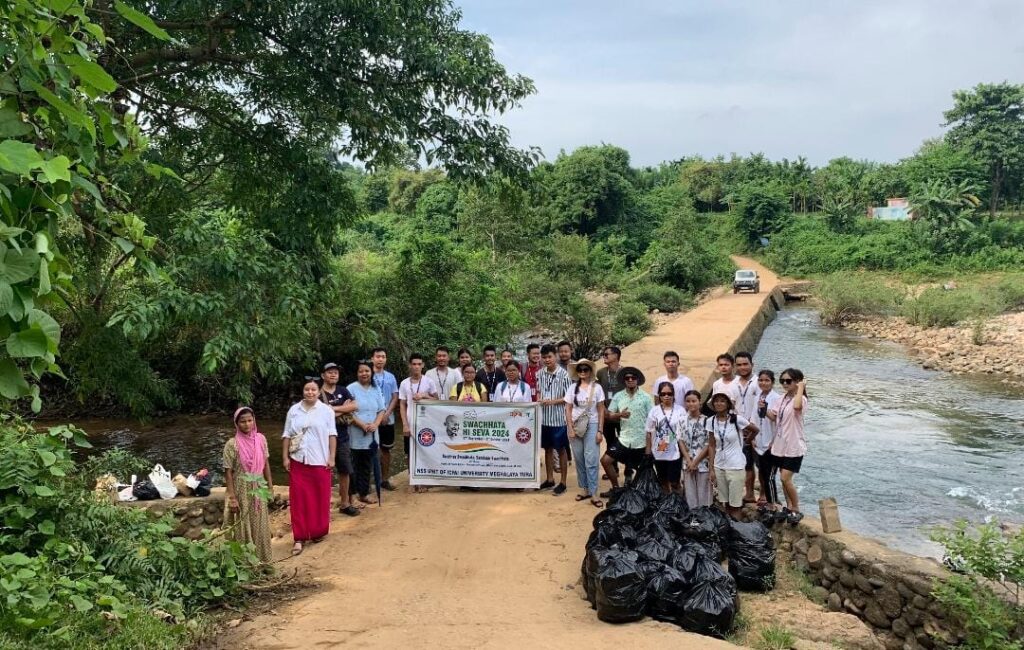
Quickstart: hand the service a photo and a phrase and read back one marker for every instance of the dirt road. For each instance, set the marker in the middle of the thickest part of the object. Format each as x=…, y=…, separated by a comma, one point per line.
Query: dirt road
x=487, y=569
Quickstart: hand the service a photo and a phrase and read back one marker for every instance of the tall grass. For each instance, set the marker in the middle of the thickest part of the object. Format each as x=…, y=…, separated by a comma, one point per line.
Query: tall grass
x=842, y=296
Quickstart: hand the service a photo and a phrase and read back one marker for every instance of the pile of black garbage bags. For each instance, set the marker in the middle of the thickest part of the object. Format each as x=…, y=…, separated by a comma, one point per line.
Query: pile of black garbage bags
x=650, y=554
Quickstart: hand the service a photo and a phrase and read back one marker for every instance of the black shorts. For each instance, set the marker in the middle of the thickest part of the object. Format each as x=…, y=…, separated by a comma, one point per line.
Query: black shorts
x=343, y=459
x=628, y=456
x=554, y=437
x=406, y=443
x=387, y=435
x=789, y=463
x=669, y=471
x=750, y=456
x=611, y=432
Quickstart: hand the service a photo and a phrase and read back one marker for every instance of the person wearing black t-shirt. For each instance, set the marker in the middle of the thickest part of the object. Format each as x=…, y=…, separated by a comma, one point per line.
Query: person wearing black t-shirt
x=338, y=398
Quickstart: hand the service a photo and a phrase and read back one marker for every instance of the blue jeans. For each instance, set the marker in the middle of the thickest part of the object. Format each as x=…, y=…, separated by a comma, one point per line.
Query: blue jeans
x=587, y=453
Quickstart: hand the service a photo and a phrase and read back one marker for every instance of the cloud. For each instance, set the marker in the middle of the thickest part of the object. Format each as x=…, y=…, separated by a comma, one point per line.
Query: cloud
x=816, y=78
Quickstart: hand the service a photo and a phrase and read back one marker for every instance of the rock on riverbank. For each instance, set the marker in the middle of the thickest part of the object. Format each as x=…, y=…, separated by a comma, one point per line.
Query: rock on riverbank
x=995, y=347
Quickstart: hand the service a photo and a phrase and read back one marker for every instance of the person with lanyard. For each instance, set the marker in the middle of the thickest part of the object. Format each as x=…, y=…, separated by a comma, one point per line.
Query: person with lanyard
x=727, y=431
x=364, y=431
x=469, y=389
x=608, y=377
x=790, y=444
x=681, y=384
x=491, y=374
x=584, y=414
x=767, y=399
x=414, y=388
x=628, y=410
x=746, y=405
x=696, y=469
x=308, y=448
x=387, y=384
x=512, y=389
x=663, y=441
x=341, y=402
x=552, y=383
x=727, y=384
x=443, y=376
x=533, y=366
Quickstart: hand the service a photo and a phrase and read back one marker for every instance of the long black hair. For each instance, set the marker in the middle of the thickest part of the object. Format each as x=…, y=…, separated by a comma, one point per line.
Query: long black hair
x=796, y=375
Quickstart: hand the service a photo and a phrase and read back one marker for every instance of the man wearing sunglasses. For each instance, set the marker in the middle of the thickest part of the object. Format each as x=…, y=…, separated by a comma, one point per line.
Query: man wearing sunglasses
x=628, y=409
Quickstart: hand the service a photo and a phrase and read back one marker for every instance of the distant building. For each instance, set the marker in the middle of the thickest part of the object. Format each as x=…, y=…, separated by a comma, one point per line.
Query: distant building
x=894, y=210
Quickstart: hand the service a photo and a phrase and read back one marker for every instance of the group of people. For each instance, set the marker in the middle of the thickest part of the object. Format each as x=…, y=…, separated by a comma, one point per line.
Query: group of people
x=744, y=431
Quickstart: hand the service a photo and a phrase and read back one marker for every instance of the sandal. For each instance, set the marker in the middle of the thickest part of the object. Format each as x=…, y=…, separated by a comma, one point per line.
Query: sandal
x=351, y=511
x=597, y=503
x=296, y=549
x=582, y=497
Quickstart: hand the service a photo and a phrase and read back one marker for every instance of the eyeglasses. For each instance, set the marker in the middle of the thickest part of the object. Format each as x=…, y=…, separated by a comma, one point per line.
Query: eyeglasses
x=785, y=380
x=583, y=369
x=630, y=378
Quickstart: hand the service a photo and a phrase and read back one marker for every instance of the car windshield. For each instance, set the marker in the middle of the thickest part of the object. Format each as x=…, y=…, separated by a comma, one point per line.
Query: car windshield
x=746, y=275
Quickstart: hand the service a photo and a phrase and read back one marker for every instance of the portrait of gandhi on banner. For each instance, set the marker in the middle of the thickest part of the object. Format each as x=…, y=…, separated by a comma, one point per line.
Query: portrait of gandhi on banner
x=451, y=425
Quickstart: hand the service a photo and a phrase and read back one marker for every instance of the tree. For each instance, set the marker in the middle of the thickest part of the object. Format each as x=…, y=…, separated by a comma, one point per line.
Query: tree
x=988, y=121
x=840, y=212
x=589, y=188
x=61, y=142
x=763, y=210
x=944, y=210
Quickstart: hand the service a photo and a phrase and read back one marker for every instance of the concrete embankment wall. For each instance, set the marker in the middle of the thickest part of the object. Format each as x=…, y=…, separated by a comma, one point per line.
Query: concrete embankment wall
x=195, y=514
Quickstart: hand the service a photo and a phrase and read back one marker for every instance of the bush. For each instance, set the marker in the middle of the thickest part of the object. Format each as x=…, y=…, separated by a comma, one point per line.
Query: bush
x=661, y=297
x=67, y=556
x=119, y=462
x=764, y=210
x=841, y=296
x=985, y=598
x=937, y=307
x=630, y=322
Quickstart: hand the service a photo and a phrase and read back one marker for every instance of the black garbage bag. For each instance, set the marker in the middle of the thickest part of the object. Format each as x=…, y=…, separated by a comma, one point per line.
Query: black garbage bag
x=620, y=587
x=684, y=557
x=622, y=535
x=722, y=523
x=646, y=482
x=632, y=502
x=610, y=516
x=614, y=494
x=665, y=590
x=751, y=552
x=698, y=525
x=144, y=490
x=592, y=562
x=205, y=484
x=706, y=567
x=710, y=606
x=654, y=547
x=671, y=506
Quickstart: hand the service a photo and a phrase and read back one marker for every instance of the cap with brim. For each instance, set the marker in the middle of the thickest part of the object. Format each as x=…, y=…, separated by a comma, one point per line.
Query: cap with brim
x=725, y=395
x=330, y=366
x=630, y=370
x=576, y=365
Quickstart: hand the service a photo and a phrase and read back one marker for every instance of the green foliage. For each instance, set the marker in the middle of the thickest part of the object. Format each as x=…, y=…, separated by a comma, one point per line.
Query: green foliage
x=840, y=212
x=842, y=296
x=943, y=210
x=938, y=307
x=119, y=462
x=774, y=637
x=663, y=298
x=59, y=137
x=763, y=210
x=985, y=598
x=70, y=558
x=629, y=322
x=588, y=189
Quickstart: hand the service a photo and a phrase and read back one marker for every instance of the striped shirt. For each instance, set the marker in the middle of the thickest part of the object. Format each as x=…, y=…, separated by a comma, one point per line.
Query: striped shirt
x=553, y=385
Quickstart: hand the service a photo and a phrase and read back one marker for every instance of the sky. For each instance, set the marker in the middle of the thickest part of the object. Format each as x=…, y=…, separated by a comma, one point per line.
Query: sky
x=821, y=78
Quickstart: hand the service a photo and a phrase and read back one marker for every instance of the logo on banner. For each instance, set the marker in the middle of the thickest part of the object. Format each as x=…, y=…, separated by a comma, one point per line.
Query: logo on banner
x=524, y=435
x=426, y=437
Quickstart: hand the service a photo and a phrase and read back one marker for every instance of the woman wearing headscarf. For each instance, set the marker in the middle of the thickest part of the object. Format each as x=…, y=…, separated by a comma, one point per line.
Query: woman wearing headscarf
x=246, y=518
x=310, y=443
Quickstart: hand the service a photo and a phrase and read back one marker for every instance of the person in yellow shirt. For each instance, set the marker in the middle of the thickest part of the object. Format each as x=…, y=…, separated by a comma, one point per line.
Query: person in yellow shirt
x=469, y=389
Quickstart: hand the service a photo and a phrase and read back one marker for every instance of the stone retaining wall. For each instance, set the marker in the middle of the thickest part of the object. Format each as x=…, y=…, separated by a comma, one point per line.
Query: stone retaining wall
x=888, y=589
x=195, y=514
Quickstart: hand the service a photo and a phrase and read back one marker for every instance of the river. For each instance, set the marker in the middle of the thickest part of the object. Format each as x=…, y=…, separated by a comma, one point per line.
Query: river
x=901, y=448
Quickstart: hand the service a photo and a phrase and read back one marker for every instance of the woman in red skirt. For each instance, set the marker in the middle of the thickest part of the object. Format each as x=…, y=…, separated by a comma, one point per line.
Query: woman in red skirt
x=310, y=441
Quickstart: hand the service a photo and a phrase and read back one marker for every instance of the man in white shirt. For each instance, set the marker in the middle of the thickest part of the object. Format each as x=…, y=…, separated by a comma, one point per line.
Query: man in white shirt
x=681, y=383
x=513, y=389
x=444, y=378
x=745, y=402
x=727, y=383
x=414, y=388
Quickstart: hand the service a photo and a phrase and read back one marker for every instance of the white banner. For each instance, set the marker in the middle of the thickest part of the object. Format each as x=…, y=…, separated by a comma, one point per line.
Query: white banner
x=494, y=444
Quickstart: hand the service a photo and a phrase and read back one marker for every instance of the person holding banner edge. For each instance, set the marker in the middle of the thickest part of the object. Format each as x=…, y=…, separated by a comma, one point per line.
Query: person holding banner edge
x=414, y=388
x=552, y=383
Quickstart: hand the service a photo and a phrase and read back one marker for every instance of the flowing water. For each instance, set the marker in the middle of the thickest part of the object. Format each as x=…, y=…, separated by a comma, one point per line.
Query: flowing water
x=902, y=449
